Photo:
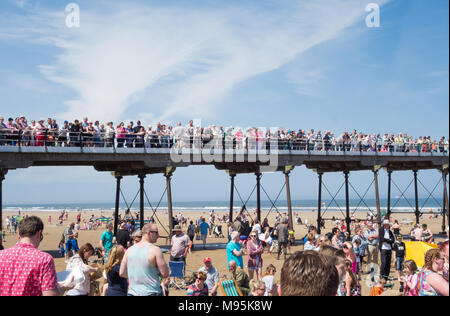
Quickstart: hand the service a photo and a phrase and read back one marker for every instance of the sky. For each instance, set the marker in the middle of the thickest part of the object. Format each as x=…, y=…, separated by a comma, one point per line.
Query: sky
x=266, y=63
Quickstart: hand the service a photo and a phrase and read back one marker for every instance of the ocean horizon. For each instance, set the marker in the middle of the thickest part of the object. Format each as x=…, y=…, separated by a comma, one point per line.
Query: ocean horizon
x=202, y=206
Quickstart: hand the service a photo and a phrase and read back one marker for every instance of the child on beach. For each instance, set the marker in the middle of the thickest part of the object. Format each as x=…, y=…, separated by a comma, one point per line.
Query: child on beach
x=400, y=253
x=356, y=249
x=410, y=279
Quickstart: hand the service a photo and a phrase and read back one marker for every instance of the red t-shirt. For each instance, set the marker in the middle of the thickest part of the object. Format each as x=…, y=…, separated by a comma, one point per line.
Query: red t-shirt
x=26, y=271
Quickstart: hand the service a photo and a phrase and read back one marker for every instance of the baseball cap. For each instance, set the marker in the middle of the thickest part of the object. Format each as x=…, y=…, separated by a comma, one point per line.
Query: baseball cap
x=206, y=259
x=386, y=222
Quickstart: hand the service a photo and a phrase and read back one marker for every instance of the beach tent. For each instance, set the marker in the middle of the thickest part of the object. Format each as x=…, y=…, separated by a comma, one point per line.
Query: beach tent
x=415, y=250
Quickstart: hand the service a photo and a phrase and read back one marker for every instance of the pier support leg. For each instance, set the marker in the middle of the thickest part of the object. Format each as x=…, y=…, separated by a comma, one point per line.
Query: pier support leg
x=377, y=196
x=169, y=203
x=416, y=195
x=3, y=172
x=288, y=196
x=230, y=214
x=258, y=196
x=319, y=205
x=389, y=194
x=116, y=210
x=445, y=208
x=347, y=204
x=141, y=200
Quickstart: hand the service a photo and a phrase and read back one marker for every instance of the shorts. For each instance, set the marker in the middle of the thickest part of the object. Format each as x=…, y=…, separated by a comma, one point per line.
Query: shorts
x=399, y=263
x=71, y=244
x=204, y=238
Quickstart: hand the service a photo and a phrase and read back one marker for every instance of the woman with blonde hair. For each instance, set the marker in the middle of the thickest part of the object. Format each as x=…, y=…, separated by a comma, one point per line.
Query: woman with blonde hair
x=257, y=287
x=268, y=279
x=117, y=286
x=431, y=283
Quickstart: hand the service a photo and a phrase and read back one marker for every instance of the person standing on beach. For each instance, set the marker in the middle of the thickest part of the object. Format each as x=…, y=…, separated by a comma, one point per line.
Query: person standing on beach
x=204, y=231
x=371, y=235
x=123, y=236
x=235, y=250
x=387, y=240
x=106, y=241
x=26, y=271
x=68, y=237
x=180, y=245
x=143, y=264
x=283, y=238
x=191, y=232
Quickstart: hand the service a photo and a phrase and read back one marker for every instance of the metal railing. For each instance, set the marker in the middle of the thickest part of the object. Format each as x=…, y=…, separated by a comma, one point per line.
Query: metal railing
x=66, y=138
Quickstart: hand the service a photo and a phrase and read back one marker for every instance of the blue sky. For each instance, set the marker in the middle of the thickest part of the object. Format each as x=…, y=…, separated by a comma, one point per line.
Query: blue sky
x=292, y=64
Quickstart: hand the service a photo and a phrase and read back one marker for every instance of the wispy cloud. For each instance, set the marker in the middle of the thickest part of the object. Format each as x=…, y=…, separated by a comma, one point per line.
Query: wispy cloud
x=200, y=54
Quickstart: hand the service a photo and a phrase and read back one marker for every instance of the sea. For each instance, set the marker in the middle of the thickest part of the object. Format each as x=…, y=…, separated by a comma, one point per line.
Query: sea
x=356, y=205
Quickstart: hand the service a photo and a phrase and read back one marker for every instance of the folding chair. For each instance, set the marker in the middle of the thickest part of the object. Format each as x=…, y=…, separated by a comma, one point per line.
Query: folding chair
x=230, y=288
x=177, y=274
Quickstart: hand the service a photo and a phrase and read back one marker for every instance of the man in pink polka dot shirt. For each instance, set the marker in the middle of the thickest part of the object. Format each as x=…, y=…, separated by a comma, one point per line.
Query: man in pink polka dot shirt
x=26, y=271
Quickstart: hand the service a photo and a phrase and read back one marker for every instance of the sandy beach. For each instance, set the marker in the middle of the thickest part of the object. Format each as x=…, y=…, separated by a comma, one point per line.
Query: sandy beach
x=52, y=235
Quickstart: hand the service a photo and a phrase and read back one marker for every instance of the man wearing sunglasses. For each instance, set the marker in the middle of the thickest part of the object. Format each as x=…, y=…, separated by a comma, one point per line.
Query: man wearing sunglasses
x=143, y=264
x=26, y=271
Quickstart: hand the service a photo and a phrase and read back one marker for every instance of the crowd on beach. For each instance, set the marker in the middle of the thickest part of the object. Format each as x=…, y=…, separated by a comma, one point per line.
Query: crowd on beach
x=331, y=264
x=85, y=133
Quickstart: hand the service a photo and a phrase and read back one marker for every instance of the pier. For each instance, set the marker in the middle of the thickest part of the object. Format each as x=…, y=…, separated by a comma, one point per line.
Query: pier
x=140, y=162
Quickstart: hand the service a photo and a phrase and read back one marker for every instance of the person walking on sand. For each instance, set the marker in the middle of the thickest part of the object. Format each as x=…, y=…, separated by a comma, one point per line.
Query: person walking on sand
x=143, y=265
x=283, y=237
x=204, y=231
x=106, y=241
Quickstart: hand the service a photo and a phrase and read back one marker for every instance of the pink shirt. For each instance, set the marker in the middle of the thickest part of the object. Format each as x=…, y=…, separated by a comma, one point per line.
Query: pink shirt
x=26, y=271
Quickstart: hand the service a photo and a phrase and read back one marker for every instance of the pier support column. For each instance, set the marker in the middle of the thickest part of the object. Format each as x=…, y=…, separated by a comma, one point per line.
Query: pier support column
x=169, y=202
x=377, y=194
x=319, y=206
x=3, y=172
x=258, y=195
x=416, y=195
x=116, y=210
x=288, y=197
x=230, y=214
x=445, y=208
x=389, y=194
x=347, y=203
x=141, y=200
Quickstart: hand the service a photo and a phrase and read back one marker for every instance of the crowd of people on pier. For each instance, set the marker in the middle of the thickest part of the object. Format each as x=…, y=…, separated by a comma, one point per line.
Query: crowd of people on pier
x=331, y=264
x=86, y=133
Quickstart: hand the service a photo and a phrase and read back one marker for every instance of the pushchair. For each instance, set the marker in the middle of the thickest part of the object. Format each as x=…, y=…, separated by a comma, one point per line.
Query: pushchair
x=218, y=231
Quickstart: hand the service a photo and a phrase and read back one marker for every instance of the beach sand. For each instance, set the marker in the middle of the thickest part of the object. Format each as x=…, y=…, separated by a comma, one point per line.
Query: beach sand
x=52, y=235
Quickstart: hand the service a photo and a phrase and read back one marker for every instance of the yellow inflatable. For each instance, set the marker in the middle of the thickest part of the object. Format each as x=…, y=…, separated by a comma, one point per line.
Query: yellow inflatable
x=415, y=250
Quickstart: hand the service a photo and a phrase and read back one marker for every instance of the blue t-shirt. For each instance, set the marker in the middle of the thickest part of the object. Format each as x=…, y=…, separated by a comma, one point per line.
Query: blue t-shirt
x=204, y=228
x=230, y=255
x=107, y=238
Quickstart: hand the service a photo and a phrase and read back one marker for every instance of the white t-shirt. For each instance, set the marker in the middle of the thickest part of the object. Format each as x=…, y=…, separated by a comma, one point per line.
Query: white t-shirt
x=385, y=245
x=257, y=227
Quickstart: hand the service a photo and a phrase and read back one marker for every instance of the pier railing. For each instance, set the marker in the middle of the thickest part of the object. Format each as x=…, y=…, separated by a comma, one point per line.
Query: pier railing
x=66, y=141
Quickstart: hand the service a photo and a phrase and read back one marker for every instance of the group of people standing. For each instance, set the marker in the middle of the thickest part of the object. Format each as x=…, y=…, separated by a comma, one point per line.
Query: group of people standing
x=86, y=133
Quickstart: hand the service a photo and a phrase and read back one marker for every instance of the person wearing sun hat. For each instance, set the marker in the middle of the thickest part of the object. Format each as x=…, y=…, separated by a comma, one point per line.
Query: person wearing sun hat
x=386, y=242
x=180, y=245
x=212, y=276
